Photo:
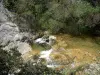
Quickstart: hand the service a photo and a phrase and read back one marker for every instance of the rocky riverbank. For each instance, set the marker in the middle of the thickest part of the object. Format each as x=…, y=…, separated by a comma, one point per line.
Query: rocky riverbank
x=65, y=53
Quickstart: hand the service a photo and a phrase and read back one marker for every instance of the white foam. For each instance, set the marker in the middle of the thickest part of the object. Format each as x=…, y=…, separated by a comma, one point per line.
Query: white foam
x=46, y=54
x=39, y=40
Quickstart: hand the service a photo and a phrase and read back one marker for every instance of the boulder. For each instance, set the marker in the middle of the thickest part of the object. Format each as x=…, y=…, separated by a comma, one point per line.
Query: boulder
x=49, y=40
x=23, y=47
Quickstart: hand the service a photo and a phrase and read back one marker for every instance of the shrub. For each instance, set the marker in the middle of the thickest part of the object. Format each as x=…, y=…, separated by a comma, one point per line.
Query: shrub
x=67, y=16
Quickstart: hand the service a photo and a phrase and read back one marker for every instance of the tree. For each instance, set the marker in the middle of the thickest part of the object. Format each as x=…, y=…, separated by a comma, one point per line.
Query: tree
x=65, y=16
x=9, y=61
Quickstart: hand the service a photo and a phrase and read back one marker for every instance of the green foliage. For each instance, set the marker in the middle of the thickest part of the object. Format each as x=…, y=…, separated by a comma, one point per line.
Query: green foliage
x=67, y=16
x=27, y=11
x=38, y=69
x=10, y=4
x=9, y=61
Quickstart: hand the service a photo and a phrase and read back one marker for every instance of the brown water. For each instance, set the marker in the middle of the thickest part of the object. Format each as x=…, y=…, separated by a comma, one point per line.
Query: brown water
x=80, y=50
x=68, y=49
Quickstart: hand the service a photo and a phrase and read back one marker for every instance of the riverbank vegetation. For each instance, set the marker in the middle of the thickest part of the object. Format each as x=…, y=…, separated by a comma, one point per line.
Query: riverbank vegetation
x=58, y=16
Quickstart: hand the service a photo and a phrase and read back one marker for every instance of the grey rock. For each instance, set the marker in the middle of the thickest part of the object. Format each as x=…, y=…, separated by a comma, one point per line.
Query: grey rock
x=23, y=47
x=93, y=69
x=10, y=36
x=8, y=31
x=47, y=40
x=10, y=46
x=5, y=15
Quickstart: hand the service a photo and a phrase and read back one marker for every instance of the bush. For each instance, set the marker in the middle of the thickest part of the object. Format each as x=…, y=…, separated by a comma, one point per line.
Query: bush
x=9, y=61
x=38, y=69
x=74, y=16
x=69, y=17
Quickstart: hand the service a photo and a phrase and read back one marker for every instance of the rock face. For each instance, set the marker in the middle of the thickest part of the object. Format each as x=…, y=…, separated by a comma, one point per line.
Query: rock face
x=8, y=31
x=5, y=15
x=10, y=36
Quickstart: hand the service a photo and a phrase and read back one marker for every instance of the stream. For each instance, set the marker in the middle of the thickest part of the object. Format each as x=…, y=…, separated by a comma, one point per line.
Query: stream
x=67, y=51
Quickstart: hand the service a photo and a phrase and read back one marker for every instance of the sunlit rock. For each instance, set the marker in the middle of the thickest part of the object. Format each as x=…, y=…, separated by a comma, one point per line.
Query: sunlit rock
x=40, y=41
x=23, y=47
x=52, y=40
x=49, y=40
